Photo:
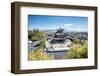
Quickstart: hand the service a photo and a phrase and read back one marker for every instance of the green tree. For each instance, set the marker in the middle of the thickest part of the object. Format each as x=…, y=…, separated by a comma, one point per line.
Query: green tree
x=30, y=34
x=39, y=53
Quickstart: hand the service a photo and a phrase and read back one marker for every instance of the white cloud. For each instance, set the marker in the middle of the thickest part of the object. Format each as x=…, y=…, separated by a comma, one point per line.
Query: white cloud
x=68, y=25
x=73, y=27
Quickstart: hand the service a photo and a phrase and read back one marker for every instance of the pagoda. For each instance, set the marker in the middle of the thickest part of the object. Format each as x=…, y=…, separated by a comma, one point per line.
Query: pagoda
x=59, y=36
x=58, y=42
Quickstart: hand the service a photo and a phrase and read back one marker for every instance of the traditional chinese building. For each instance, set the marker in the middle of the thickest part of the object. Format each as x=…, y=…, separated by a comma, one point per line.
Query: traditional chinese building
x=59, y=36
x=58, y=42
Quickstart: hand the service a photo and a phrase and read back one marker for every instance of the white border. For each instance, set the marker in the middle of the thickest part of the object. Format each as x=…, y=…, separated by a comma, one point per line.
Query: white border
x=25, y=64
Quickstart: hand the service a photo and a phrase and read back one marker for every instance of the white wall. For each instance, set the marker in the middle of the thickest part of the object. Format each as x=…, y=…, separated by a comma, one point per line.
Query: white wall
x=5, y=50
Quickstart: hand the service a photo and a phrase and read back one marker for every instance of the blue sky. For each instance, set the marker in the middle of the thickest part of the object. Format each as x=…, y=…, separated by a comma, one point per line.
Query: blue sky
x=69, y=23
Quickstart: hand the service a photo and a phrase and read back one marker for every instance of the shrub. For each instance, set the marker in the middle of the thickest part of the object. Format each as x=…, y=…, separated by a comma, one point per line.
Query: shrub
x=39, y=55
x=77, y=51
